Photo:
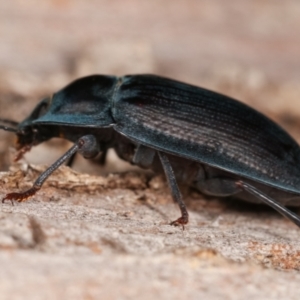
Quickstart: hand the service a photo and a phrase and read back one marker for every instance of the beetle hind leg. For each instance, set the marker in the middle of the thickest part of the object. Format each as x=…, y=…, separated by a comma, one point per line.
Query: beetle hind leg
x=270, y=201
x=224, y=187
x=219, y=187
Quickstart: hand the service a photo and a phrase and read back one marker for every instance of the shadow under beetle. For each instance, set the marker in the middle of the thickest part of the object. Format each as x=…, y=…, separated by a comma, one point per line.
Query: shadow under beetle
x=210, y=141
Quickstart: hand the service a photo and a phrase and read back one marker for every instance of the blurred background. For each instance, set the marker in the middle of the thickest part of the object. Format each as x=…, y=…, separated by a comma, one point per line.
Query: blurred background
x=248, y=49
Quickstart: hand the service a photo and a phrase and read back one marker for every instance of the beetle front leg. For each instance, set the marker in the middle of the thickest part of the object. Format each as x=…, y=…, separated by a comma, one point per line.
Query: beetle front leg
x=86, y=145
x=101, y=160
x=176, y=195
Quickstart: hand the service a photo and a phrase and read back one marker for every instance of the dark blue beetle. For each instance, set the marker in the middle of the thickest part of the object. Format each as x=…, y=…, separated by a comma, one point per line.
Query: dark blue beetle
x=210, y=141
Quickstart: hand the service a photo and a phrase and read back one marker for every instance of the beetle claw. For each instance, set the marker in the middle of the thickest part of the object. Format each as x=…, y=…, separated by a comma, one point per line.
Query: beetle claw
x=22, y=151
x=180, y=222
x=8, y=198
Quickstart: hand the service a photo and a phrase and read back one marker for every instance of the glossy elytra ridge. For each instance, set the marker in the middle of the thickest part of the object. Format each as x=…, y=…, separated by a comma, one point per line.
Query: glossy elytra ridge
x=210, y=141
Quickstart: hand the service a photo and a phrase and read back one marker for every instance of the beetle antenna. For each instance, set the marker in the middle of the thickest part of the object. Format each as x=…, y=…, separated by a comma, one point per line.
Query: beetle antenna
x=6, y=128
x=12, y=125
x=10, y=122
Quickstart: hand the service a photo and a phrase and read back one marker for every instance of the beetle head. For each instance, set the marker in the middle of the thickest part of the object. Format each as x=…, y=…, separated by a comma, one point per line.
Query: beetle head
x=30, y=134
x=85, y=103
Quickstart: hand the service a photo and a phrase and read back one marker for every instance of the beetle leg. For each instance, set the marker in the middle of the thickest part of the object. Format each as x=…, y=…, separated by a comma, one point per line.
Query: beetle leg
x=176, y=195
x=270, y=201
x=98, y=160
x=224, y=187
x=143, y=156
x=22, y=151
x=102, y=158
x=82, y=146
x=71, y=160
x=218, y=186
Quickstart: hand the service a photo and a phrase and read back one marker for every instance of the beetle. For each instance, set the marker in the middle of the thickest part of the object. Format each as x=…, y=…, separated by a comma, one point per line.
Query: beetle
x=208, y=140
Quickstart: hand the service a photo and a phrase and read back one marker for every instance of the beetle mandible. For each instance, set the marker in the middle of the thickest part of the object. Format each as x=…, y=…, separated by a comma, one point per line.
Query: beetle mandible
x=212, y=142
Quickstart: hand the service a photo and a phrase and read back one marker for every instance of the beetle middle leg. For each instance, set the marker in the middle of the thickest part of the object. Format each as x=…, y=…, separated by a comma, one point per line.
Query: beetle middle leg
x=176, y=195
x=145, y=158
x=86, y=145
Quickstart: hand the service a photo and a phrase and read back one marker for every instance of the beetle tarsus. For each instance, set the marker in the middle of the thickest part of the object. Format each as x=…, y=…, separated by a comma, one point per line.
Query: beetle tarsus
x=183, y=220
x=22, y=151
x=21, y=197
